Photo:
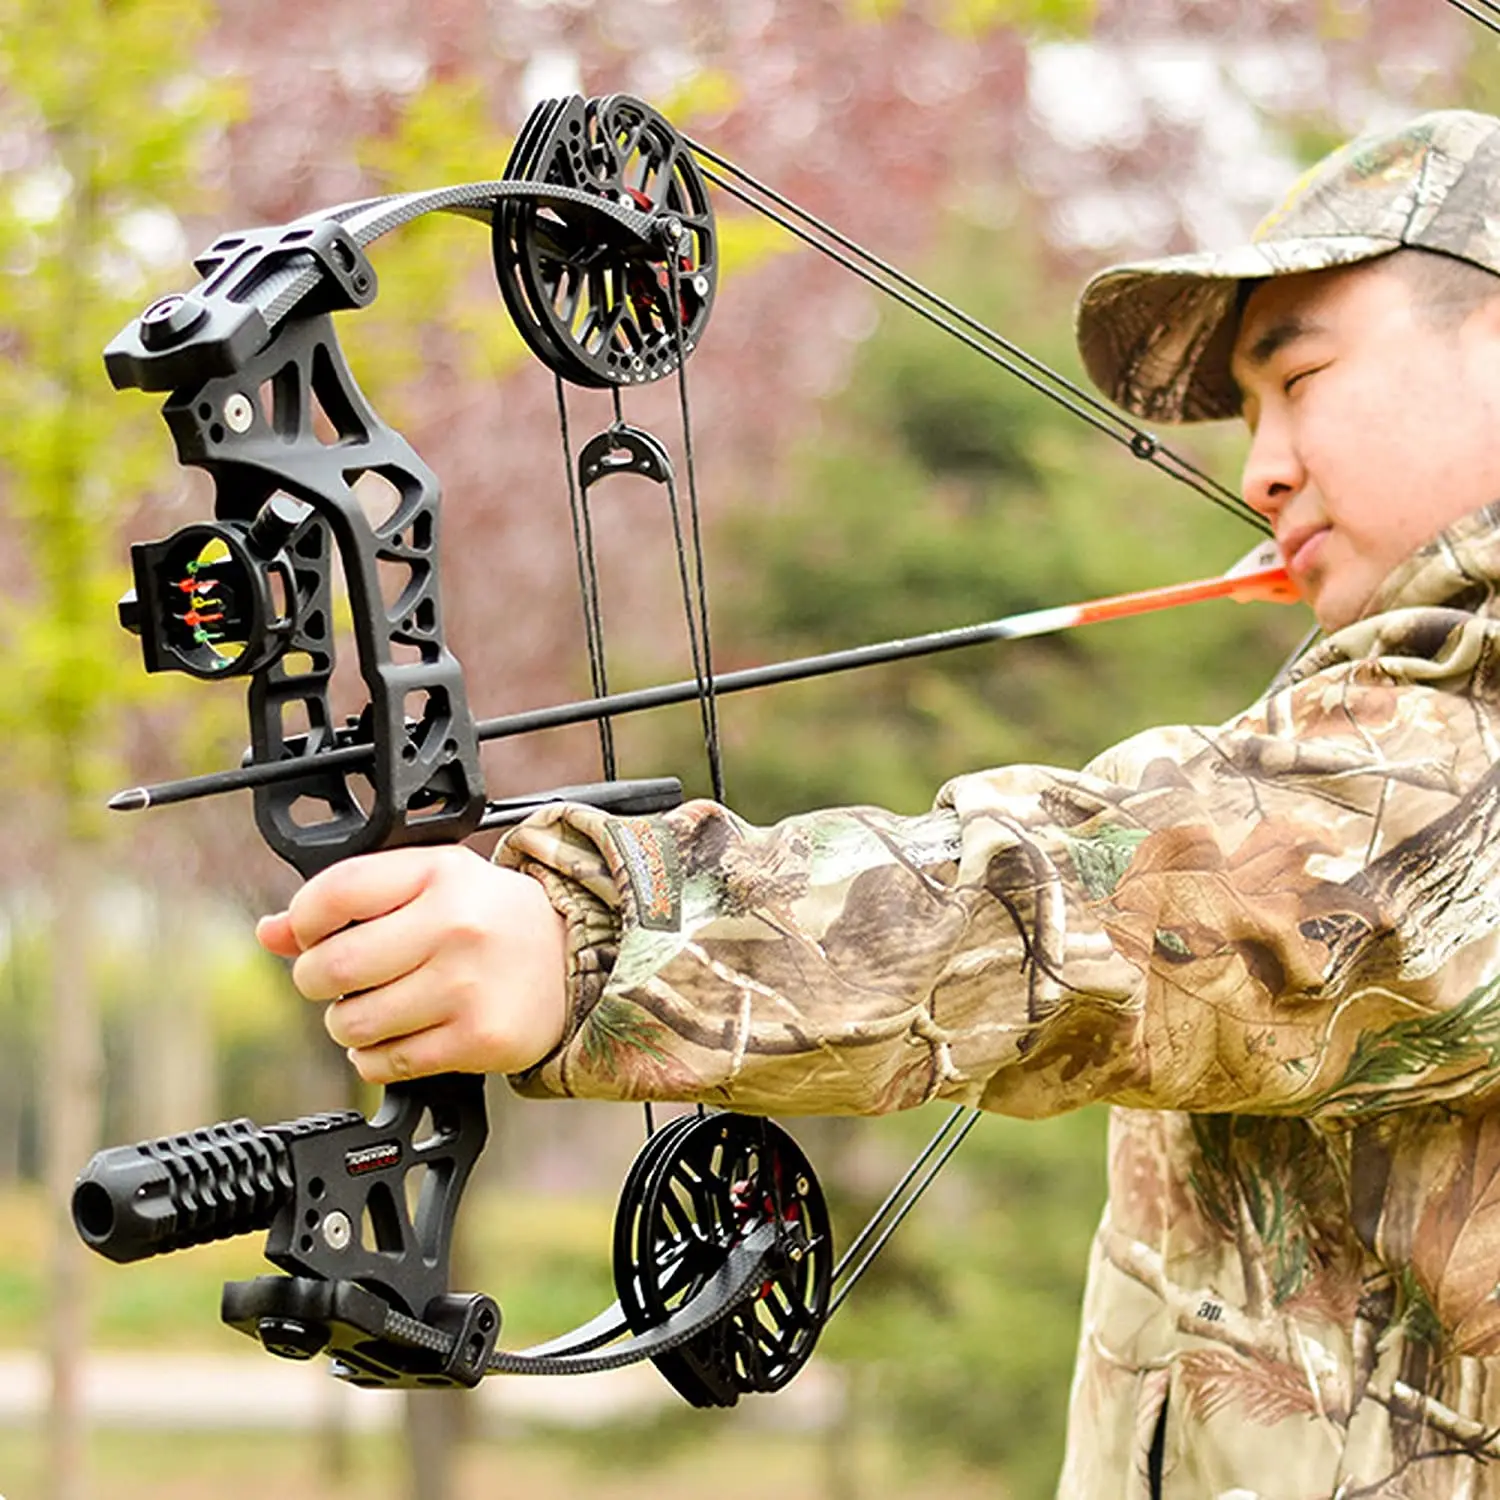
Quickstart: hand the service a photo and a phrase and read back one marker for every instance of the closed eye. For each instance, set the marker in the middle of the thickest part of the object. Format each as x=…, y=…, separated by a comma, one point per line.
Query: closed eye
x=1298, y=376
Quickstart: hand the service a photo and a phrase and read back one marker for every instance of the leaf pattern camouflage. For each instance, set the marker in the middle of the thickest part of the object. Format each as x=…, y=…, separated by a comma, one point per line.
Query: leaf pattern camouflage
x=1156, y=336
x=1273, y=946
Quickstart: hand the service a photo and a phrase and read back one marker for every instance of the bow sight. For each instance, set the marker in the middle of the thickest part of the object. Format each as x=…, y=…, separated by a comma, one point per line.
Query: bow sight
x=604, y=248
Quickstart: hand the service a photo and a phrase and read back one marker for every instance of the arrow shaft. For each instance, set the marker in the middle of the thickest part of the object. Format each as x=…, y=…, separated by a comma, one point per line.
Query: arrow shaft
x=1268, y=584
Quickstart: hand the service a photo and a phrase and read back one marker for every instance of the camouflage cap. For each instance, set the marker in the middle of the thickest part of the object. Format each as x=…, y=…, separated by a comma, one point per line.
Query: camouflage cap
x=1156, y=336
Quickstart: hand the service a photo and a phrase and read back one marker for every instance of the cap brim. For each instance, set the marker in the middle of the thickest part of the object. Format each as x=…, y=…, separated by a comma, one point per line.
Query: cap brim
x=1156, y=336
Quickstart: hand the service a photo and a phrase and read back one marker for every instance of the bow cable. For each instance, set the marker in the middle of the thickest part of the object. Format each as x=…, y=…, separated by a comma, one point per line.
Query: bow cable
x=588, y=578
x=704, y=673
x=968, y=330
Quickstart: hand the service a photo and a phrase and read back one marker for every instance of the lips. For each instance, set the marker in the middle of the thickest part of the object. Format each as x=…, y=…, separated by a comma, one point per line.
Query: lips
x=1300, y=549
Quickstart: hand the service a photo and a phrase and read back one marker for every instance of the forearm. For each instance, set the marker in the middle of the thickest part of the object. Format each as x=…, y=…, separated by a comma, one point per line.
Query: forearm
x=849, y=961
x=1212, y=921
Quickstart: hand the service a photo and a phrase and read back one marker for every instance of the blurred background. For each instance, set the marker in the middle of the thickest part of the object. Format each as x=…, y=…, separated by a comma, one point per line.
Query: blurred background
x=862, y=477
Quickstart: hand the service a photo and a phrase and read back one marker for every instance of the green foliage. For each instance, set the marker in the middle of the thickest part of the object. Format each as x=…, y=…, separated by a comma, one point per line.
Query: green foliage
x=435, y=274
x=967, y=1324
x=1480, y=82
x=104, y=120
x=1038, y=18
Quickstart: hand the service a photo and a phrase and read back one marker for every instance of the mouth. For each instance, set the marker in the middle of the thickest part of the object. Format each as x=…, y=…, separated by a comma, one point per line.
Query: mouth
x=1300, y=549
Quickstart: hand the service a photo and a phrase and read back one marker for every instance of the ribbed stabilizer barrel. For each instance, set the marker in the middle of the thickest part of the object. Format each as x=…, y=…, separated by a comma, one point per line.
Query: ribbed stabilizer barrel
x=132, y=1202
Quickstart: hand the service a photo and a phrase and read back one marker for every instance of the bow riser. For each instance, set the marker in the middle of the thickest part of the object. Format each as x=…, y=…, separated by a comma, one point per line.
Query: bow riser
x=423, y=769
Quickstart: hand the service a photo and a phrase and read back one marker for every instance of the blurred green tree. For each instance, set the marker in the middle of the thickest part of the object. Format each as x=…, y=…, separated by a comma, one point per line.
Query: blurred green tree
x=101, y=121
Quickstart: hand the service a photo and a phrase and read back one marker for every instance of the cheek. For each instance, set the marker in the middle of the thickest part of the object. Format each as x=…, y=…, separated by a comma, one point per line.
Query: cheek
x=1393, y=461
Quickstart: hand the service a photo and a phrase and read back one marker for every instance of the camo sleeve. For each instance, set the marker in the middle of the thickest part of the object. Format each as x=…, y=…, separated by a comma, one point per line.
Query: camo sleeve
x=1293, y=912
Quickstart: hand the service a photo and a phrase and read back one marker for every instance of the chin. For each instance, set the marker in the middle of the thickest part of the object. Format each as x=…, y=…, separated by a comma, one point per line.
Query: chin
x=1336, y=608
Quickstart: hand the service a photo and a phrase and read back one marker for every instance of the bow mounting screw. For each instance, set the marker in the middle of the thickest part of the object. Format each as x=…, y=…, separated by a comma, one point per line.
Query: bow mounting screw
x=337, y=1230
x=274, y=523
x=169, y=321
x=290, y=1337
x=239, y=412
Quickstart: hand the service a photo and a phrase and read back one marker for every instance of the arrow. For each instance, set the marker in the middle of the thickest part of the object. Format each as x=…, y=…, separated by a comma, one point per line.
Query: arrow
x=1251, y=578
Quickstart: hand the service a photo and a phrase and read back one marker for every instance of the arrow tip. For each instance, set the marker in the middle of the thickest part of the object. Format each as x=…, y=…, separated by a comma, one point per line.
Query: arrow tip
x=134, y=800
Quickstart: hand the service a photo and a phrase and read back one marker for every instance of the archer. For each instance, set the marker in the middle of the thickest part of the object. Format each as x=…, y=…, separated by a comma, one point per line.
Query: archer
x=1273, y=945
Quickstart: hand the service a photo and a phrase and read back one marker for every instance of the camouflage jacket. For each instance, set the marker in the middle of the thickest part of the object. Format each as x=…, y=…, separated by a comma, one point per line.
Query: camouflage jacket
x=1273, y=946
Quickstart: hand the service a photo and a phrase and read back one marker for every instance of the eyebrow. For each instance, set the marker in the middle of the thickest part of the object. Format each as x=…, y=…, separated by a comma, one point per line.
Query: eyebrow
x=1278, y=336
x=1285, y=331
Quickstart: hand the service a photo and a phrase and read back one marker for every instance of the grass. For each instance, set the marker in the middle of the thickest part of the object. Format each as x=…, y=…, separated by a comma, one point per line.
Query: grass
x=738, y=1463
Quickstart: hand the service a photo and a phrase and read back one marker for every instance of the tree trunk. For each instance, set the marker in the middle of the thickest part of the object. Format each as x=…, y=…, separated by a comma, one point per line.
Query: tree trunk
x=70, y=1114
x=172, y=1078
x=432, y=1433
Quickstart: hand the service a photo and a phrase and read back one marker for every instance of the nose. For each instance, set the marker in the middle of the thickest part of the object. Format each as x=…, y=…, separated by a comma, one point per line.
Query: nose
x=1273, y=471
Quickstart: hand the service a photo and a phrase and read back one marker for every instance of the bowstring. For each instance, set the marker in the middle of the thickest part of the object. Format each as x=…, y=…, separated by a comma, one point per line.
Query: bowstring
x=1485, y=12
x=588, y=579
x=691, y=569
x=968, y=330
x=698, y=630
x=702, y=657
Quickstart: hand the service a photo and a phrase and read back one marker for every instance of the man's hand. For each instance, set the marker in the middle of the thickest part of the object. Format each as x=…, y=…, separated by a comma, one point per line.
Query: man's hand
x=435, y=960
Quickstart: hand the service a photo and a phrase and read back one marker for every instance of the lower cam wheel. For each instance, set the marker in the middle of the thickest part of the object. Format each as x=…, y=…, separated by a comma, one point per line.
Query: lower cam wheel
x=697, y=1189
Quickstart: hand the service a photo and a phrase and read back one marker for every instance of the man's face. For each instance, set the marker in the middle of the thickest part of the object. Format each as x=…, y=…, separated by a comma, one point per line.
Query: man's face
x=1371, y=428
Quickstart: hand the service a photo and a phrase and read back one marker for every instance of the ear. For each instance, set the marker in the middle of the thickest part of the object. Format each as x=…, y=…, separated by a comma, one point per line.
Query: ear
x=1479, y=336
x=1485, y=318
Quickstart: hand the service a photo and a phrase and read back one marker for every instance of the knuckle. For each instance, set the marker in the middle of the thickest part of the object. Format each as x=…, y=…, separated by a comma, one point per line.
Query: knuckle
x=468, y=929
x=305, y=975
x=337, y=974
x=356, y=1026
x=336, y=1025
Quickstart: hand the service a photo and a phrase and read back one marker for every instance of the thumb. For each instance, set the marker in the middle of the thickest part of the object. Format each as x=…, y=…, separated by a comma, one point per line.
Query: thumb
x=274, y=934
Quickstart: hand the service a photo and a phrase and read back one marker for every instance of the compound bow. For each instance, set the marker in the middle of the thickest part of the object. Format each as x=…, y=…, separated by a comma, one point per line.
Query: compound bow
x=605, y=250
